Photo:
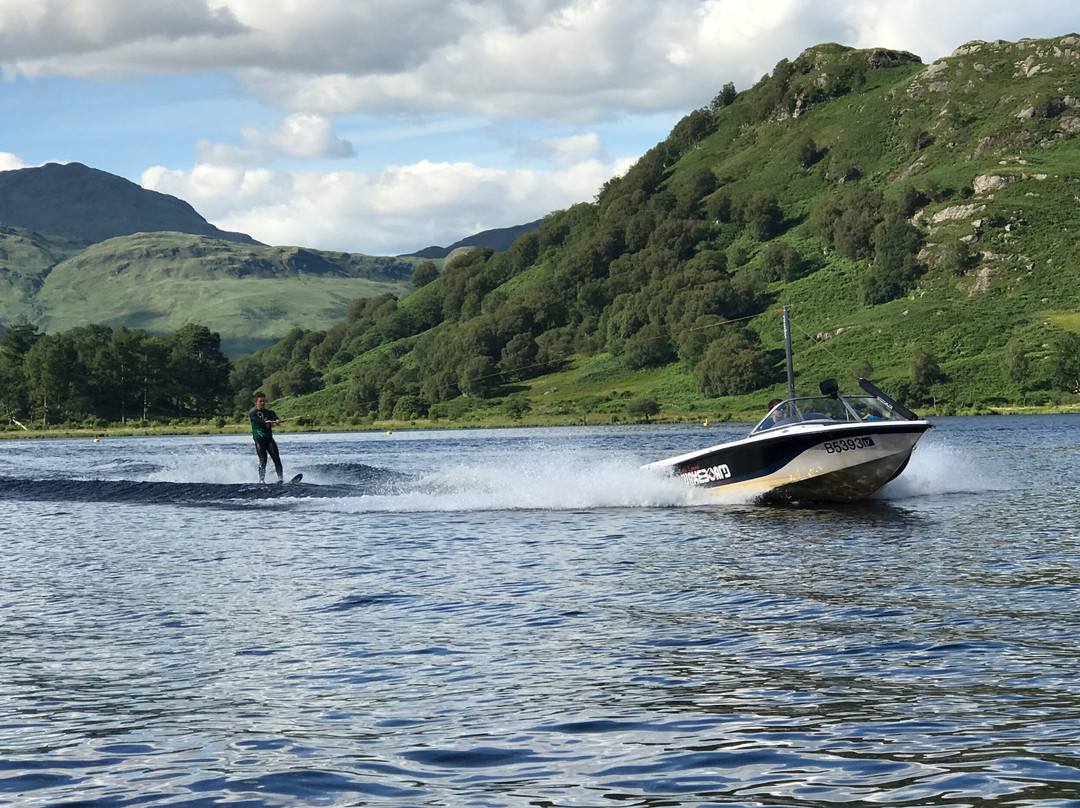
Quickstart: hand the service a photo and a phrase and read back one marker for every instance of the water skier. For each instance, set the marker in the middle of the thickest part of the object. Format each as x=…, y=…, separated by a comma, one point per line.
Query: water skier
x=263, y=422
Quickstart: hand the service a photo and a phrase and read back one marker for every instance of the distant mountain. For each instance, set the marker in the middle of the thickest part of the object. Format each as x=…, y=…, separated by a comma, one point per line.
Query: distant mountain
x=78, y=202
x=81, y=246
x=499, y=239
x=251, y=294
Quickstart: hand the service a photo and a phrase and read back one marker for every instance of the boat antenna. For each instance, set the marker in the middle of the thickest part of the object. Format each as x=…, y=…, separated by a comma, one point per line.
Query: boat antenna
x=787, y=350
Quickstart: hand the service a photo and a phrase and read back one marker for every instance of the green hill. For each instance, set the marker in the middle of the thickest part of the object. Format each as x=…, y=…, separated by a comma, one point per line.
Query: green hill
x=915, y=217
x=251, y=294
x=25, y=261
x=80, y=246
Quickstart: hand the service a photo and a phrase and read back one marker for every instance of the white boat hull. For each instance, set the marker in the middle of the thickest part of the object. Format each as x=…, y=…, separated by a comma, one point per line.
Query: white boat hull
x=837, y=462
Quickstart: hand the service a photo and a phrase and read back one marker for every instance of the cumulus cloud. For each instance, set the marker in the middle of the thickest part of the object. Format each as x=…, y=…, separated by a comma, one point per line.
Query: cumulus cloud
x=9, y=162
x=301, y=135
x=565, y=151
x=77, y=37
x=556, y=59
x=397, y=210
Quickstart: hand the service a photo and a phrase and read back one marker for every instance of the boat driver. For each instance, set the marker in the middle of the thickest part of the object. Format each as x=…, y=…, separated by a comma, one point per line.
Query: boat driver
x=777, y=413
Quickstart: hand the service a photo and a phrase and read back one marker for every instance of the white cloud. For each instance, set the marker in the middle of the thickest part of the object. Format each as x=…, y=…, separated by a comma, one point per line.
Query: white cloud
x=9, y=162
x=226, y=154
x=566, y=151
x=397, y=210
x=77, y=37
x=572, y=60
x=301, y=135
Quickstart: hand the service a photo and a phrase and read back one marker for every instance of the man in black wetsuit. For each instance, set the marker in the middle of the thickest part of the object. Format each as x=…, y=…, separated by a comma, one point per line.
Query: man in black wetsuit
x=262, y=424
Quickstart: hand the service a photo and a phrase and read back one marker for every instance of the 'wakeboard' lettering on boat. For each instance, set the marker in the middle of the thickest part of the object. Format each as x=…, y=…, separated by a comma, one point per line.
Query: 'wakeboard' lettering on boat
x=706, y=476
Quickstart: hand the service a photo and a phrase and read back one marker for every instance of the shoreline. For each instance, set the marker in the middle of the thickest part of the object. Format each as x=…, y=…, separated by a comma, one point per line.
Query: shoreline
x=422, y=424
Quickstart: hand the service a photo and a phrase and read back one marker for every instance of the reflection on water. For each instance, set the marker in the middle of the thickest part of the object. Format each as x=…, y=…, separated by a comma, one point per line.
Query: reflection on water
x=520, y=617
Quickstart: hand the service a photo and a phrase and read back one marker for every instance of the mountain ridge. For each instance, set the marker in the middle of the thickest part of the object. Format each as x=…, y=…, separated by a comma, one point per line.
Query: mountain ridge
x=498, y=239
x=79, y=245
x=76, y=201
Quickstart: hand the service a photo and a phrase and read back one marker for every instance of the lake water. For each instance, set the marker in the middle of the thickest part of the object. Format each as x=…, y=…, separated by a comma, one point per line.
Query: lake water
x=523, y=618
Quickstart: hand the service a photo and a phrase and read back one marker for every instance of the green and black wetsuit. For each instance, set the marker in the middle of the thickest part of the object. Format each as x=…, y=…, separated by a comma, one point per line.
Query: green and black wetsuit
x=265, y=446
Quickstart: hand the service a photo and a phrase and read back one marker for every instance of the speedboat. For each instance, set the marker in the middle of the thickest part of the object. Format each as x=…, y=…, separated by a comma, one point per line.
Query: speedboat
x=827, y=448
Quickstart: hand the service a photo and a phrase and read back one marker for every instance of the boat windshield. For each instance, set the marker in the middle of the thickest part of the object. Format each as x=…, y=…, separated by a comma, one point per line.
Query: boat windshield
x=827, y=408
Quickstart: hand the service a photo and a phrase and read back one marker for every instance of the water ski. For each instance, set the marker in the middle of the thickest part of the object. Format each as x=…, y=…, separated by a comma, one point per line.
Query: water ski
x=297, y=478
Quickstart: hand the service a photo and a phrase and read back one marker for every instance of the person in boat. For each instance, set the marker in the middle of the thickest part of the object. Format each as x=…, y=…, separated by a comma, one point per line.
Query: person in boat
x=777, y=413
x=873, y=414
x=263, y=422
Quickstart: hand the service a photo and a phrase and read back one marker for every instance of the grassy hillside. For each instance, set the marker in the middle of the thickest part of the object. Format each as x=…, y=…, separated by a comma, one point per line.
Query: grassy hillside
x=25, y=260
x=956, y=182
x=80, y=246
x=993, y=130
x=251, y=294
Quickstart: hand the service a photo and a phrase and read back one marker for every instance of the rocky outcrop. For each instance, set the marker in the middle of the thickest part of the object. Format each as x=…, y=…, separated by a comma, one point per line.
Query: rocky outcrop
x=992, y=182
x=956, y=212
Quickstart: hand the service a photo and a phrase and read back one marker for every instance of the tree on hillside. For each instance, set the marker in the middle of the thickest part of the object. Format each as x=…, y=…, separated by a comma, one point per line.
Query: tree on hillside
x=14, y=343
x=1015, y=363
x=724, y=98
x=409, y=408
x=516, y=405
x=478, y=377
x=925, y=372
x=518, y=359
x=847, y=223
x=369, y=380
x=762, y=216
x=896, y=265
x=782, y=262
x=808, y=153
x=424, y=274
x=13, y=400
x=95, y=379
x=1065, y=362
x=17, y=339
x=693, y=128
x=913, y=200
x=142, y=368
x=689, y=195
x=49, y=366
x=733, y=365
x=643, y=407
x=649, y=346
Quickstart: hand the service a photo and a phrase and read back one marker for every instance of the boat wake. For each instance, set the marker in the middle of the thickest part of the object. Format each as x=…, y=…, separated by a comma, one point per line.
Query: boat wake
x=521, y=477
x=936, y=470
x=535, y=479
x=533, y=482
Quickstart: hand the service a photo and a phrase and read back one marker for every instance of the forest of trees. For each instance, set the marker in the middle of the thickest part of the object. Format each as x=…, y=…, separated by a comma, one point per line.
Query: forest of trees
x=94, y=375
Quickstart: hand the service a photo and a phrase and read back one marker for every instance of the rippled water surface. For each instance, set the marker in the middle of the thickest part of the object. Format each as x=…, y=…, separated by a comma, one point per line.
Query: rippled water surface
x=522, y=617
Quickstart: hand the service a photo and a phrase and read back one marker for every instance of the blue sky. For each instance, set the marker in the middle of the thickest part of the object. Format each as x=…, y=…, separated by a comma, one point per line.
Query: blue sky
x=382, y=127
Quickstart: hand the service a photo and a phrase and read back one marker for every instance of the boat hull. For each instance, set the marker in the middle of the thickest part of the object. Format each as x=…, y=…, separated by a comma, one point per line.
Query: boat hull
x=843, y=462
